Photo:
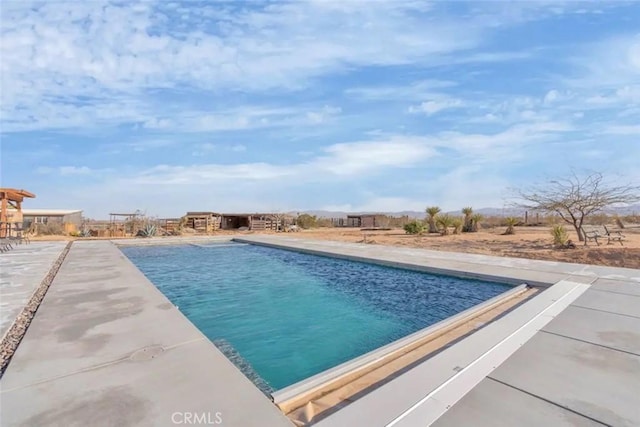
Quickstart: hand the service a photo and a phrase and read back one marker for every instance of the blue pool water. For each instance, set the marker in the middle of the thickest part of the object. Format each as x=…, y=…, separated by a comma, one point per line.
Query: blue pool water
x=283, y=316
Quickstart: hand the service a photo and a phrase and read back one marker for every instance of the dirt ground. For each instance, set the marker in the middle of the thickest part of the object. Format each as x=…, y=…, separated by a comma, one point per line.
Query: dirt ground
x=528, y=242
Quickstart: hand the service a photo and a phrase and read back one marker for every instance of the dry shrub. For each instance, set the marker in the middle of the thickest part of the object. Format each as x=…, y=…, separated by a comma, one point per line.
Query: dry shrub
x=50, y=229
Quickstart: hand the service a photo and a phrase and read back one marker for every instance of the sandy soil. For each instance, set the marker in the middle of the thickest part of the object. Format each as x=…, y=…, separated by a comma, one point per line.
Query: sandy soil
x=528, y=242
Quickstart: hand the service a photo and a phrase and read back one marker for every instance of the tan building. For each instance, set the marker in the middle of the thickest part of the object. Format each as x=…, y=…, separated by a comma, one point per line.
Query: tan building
x=69, y=220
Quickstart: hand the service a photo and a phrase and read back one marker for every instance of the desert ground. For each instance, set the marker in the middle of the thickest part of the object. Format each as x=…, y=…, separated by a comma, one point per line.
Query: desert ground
x=528, y=242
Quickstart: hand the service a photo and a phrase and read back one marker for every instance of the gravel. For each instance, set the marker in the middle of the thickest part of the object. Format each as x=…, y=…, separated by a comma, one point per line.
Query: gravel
x=18, y=329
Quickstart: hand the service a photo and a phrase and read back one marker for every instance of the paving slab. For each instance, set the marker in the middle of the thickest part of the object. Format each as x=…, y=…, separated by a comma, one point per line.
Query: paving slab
x=598, y=327
x=597, y=382
x=385, y=404
x=628, y=305
x=107, y=348
x=617, y=286
x=21, y=272
x=494, y=404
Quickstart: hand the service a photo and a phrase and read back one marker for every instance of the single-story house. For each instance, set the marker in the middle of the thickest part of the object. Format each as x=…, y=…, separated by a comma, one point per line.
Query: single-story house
x=69, y=219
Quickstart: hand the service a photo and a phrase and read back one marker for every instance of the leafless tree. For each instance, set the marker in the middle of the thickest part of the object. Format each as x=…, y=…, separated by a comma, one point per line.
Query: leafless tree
x=574, y=198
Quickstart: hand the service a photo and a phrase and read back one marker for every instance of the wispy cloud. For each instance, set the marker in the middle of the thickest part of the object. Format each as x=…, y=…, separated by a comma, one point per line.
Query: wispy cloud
x=162, y=102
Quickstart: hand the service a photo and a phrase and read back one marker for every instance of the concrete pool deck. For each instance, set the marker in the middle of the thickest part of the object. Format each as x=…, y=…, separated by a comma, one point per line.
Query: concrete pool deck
x=107, y=348
x=106, y=345
x=21, y=271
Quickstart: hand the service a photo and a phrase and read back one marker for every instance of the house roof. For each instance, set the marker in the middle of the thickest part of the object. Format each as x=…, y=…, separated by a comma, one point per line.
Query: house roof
x=49, y=212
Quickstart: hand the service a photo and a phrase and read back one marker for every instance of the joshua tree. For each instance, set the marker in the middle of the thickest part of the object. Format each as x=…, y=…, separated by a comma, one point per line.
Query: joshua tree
x=574, y=198
x=511, y=223
x=457, y=224
x=432, y=212
x=444, y=221
x=475, y=221
x=468, y=211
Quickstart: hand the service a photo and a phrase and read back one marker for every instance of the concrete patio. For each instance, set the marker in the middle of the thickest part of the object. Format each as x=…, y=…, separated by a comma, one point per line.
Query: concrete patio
x=21, y=271
x=107, y=348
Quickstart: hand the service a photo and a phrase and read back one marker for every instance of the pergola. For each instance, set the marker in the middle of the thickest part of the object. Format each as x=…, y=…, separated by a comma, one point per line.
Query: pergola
x=14, y=198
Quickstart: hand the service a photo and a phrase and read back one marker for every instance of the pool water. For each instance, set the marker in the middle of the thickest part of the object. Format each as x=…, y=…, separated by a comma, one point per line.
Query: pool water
x=283, y=316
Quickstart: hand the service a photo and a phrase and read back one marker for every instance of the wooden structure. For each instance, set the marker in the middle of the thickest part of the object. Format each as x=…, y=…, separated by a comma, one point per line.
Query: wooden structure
x=364, y=221
x=203, y=222
x=170, y=226
x=11, y=207
x=123, y=224
x=254, y=222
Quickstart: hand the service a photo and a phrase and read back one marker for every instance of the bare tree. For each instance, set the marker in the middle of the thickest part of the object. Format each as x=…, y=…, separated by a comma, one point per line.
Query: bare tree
x=574, y=198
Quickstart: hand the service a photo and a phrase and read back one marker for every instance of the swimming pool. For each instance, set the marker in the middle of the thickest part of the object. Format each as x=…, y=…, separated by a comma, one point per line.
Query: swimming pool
x=283, y=316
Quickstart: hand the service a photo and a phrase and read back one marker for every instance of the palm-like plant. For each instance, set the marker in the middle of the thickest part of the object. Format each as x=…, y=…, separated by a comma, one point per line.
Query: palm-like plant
x=443, y=222
x=457, y=224
x=468, y=211
x=432, y=212
x=511, y=223
x=476, y=219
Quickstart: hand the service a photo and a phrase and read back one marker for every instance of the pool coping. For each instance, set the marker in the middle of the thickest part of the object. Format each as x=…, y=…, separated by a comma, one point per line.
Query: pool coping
x=320, y=380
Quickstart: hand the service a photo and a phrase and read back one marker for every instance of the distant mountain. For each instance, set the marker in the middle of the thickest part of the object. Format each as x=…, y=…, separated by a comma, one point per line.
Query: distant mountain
x=627, y=210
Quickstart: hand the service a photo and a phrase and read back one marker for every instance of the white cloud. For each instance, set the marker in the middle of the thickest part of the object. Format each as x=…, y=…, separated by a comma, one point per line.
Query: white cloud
x=318, y=117
x=551, y=96
x=369, y=156
x=364, y=157
x=55, y=52
x=415, y=91
x=67, y=170
x=610, y=63
x=623, y=130
x=432, y=107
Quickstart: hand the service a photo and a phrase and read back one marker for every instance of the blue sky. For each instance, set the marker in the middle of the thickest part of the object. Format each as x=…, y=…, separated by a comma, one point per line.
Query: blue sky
x=273, y=106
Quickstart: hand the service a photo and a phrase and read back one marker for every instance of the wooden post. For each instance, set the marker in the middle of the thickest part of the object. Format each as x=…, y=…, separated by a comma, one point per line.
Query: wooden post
x=3, y=215
x=526, y=217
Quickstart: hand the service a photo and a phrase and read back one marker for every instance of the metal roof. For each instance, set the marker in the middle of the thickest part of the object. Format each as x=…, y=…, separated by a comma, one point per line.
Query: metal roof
x=49, y=212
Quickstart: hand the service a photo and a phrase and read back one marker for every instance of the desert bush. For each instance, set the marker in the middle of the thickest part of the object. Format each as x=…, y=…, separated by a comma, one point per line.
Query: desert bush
x=432, y=213
x=443, y=222
x=414, y=227
x=511, y=222
x=50, y=229
x=631, y=219
x=306, y=221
